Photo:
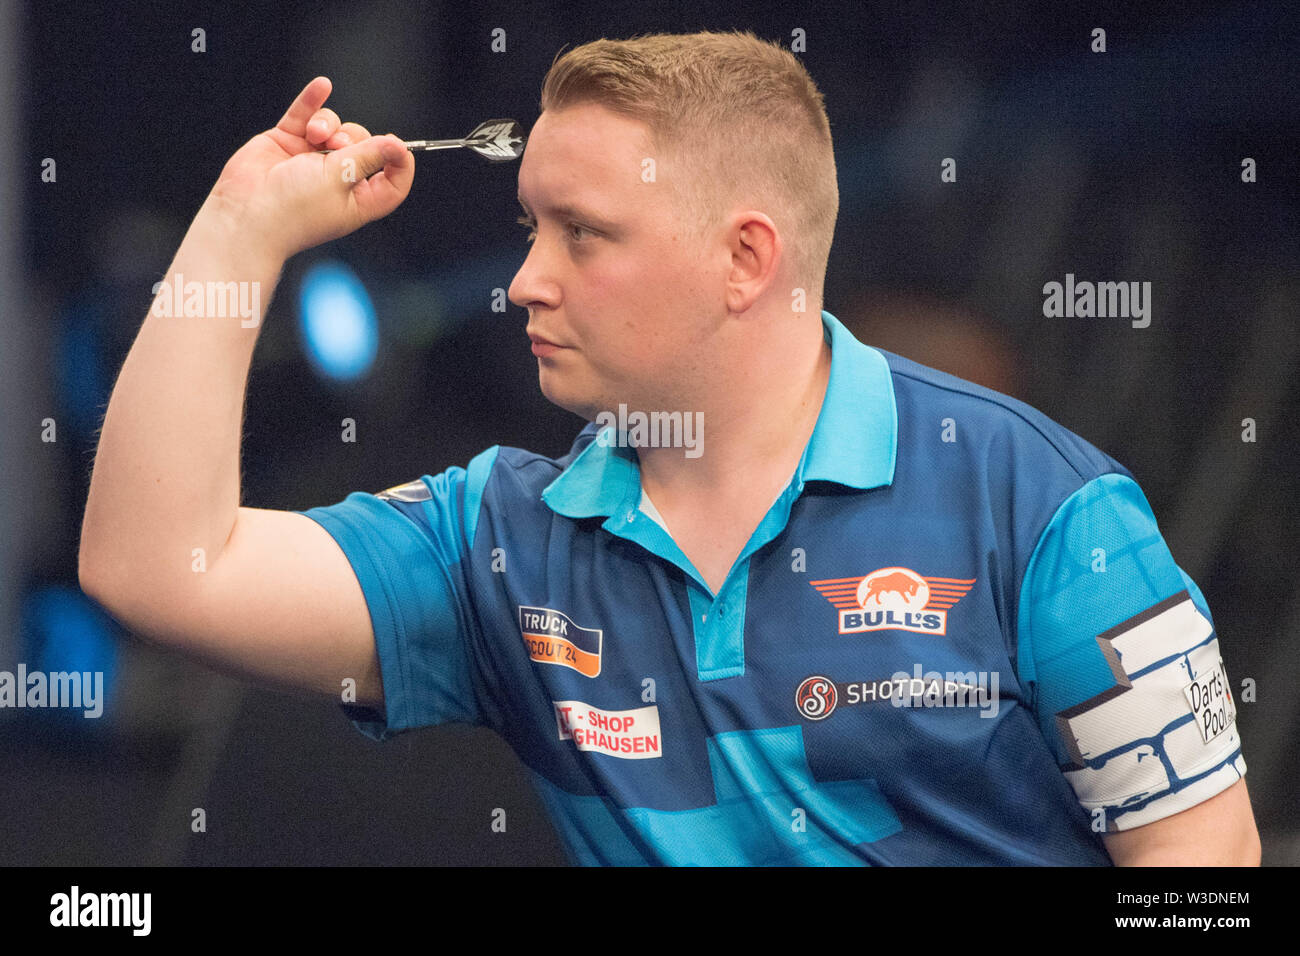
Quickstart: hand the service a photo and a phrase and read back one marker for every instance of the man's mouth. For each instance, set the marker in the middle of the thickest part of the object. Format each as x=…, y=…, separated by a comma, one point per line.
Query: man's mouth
x=543, y=346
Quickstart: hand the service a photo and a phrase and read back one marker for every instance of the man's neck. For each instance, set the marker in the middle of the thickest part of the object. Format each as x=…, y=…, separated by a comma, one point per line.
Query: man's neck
x=756, y=425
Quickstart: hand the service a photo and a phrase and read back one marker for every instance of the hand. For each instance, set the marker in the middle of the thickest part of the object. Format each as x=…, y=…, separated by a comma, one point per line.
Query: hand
x=279, y=192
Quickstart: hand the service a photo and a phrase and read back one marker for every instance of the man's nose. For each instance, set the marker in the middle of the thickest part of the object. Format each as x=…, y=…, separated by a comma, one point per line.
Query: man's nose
x=530, y=283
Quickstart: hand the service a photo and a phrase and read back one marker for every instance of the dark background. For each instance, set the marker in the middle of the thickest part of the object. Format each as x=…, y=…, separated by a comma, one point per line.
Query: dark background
x=1117, y=166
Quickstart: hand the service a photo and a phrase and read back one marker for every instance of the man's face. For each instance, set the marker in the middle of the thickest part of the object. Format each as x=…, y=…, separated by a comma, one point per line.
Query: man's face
x=613, y=280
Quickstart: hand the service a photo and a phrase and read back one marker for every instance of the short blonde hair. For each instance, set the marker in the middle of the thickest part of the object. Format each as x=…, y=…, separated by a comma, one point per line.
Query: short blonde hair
x=742, y=114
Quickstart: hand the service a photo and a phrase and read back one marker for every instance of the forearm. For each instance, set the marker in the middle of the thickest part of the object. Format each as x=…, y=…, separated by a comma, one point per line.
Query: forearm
x=166, y=476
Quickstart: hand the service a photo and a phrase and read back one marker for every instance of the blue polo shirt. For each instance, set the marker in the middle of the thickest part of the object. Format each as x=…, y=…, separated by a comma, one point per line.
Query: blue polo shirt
x=957, y=637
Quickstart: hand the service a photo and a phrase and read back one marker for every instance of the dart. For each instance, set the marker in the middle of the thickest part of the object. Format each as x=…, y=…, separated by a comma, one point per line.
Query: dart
x=497, y=140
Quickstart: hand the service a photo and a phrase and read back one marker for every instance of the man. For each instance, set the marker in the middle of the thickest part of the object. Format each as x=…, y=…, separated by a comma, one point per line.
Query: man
x=874, y=614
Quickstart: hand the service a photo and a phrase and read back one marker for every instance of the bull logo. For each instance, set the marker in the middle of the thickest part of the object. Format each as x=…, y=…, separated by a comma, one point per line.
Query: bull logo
x=898, y=588
x=893, y=599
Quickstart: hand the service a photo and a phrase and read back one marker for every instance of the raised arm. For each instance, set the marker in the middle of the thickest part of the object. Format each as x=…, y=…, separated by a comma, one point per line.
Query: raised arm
x=165, y=545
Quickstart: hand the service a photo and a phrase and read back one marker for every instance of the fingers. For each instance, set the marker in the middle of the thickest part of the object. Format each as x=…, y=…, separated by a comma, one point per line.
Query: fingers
x=322, y=126
x=383, y=170
x=373, y=155
x=393, y=182
x=346, y=135
x=304, y=108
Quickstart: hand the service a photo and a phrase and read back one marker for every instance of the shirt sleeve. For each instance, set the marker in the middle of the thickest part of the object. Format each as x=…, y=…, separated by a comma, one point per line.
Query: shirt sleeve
x=1123, y=661
x=408, y=546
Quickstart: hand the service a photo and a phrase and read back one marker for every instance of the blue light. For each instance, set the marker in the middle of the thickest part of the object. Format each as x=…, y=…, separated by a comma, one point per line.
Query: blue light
x=337, y=321
x=64, y=631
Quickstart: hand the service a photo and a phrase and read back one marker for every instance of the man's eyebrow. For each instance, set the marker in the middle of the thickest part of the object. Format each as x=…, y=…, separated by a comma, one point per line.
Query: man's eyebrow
x=567, y=211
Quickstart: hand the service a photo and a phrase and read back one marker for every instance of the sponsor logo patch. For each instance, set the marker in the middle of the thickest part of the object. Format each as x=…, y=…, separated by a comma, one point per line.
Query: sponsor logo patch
x=553, y=638
x=630, y=734
x=817, y=696
x=893, y=599
x=1211, y=700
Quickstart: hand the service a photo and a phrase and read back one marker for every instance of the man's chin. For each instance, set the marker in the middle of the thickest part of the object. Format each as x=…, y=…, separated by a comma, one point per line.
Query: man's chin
x=563, y=394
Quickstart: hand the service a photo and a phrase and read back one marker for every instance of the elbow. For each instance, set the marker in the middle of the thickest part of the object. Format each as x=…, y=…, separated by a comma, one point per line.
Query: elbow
x=94, y=576
x=87, y=576
x=1251, y=851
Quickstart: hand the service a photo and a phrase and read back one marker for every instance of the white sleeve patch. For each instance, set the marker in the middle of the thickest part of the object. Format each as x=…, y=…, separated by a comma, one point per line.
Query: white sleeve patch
x=1164, y=737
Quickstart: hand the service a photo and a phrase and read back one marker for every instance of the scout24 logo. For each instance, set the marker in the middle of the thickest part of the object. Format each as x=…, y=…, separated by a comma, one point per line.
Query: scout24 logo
x=893, y=599
x=552, y=637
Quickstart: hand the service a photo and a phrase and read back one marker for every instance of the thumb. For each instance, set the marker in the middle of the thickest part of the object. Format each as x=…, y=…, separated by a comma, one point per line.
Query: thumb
x=359, y=162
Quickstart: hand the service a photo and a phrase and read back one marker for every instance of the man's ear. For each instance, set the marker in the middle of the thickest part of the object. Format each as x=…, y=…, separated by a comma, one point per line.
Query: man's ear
x=756, y=252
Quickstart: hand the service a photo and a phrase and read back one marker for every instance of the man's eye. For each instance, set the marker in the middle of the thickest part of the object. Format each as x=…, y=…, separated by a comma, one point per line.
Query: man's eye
x=577, y=234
